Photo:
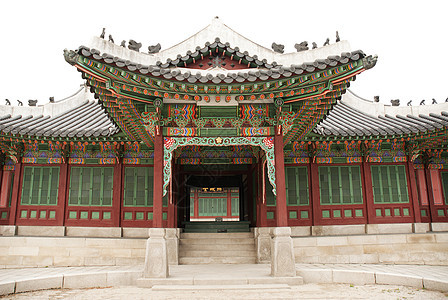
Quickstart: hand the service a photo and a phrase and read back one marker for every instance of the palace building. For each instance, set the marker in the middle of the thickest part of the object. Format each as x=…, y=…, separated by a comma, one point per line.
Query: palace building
x=219, y=128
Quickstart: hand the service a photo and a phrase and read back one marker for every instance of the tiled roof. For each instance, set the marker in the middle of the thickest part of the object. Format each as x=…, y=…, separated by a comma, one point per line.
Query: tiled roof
x=346, y=118
x=86, y=119
x=171, y=69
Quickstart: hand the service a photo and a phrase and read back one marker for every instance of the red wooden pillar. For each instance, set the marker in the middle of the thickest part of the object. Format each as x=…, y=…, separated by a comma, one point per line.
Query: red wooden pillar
x=315, y=195
x=117, y=193
x=62, y=192
x=368, y=191
x=281, y=210
x=157, y=221
x=413, y=189
x=432, y=209
x=5, y=188
x=15, y=191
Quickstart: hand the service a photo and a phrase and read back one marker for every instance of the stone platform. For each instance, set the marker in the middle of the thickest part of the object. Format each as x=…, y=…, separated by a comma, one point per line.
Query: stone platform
x=209, y=277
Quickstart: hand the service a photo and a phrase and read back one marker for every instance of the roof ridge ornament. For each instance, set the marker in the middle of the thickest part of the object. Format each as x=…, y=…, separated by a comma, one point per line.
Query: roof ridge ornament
x=279, y=48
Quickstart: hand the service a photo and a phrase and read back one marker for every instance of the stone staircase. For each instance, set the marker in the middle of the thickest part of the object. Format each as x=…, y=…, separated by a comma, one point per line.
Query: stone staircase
x=217, y=248
x=220, y=227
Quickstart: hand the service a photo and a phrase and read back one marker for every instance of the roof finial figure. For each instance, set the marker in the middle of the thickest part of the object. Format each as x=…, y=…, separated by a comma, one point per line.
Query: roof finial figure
x=9, y=103
x=20, y=103
x=303, y=46
x=434, y=101
x=154, y=49
x=133, y=45
x=279, y=48
x=327, y=42
x=123, y=43
x=51, y=99
x=314, y=45
x=338, y=39
x=422, y=102
x=111, y=39
x=446, y=100
x=103, y=33
x=376, y=98
x=409, y=103
x=395, y=102
x=32, y=102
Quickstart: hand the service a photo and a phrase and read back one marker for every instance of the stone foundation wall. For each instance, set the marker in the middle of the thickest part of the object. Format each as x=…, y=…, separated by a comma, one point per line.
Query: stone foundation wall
x=19, y=251
x=374, y=244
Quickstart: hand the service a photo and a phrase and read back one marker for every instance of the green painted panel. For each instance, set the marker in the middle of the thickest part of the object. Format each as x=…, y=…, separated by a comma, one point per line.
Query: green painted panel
x=378, y=212
x=95, y=215
x=139, y=215
x=270, y=215
x=325, y=214
x=52, y=214
x=441, y=212
x=106, y=215
x=358, y=213
x=128, y=215
x=445, y=186
x=33, y=214
x=304, y=214
x=84, y=215
x=387, y=212
x=72, y=215
x=23, y=214
x=164, y=216
x=293, y=215
x=348, y=213
x=336, y=213
x=4, y=215
x=150, y=215
x=42, y=214
x=396, y=212
x=405, y=212
x=423, y=212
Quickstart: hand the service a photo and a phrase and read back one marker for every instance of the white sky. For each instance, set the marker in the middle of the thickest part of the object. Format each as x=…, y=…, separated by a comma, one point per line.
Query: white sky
x=409, y=37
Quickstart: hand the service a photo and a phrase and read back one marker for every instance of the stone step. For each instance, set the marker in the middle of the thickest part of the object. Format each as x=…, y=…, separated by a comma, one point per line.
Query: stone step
x=210, y=241
x=216, y=230
x=217, y=253
x=224, y=247
x=223, y=235
x=215, y=287
x=216, y=260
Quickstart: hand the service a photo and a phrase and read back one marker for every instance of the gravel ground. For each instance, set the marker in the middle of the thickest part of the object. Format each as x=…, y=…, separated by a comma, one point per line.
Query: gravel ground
x=306, y=291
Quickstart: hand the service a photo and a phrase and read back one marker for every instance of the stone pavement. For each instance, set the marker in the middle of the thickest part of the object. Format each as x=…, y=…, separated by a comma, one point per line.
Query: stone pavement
x=210, y=278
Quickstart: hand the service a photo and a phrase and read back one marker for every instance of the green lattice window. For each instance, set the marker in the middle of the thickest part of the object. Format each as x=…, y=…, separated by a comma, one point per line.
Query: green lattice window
x=340, y=185
x=296, y=186
x=389, y=184
x=91, y=186
x=445, y=186
x=212, y=204
x=138, y=186
x=40, y=185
